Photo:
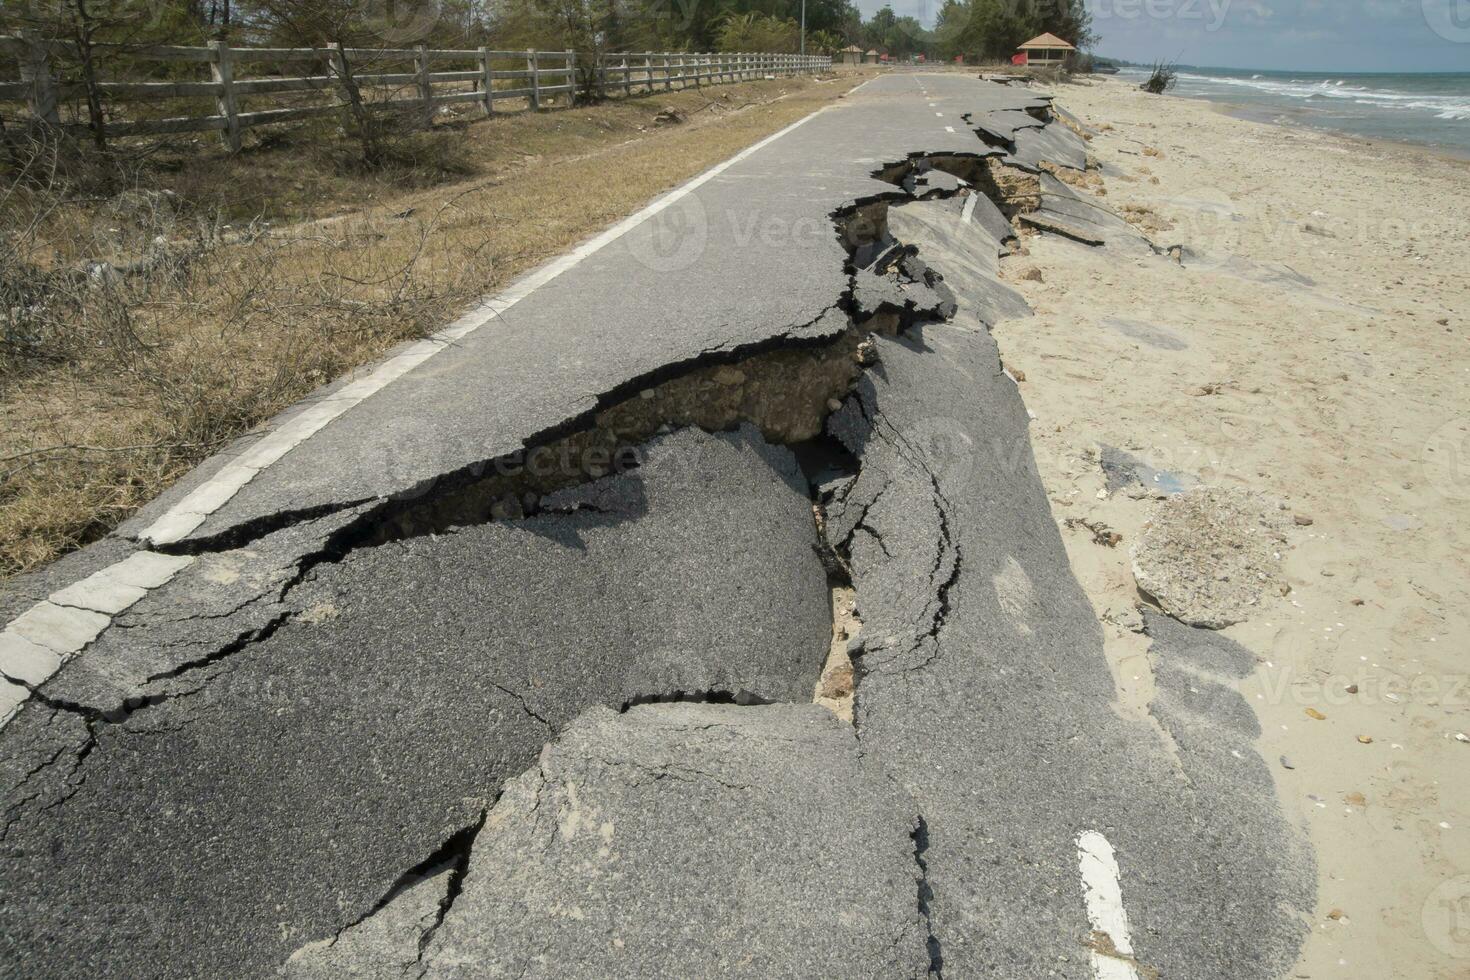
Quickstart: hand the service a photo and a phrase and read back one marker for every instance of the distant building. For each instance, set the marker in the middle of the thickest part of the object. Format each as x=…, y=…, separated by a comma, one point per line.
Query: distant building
x=1047, y=49
x=850, y=55
x=871, y=58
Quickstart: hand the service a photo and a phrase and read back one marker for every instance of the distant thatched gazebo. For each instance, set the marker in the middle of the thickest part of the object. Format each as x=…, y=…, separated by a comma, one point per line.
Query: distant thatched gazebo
x=1045, y=49
x=850, y=55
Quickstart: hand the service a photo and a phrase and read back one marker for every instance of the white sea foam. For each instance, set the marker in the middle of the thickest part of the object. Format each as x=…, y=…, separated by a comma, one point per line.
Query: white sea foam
x=1450, y=107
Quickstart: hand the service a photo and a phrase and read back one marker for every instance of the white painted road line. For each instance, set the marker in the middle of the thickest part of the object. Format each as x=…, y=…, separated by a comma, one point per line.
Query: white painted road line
x=37, y=642
x=949, y=129
x=1103, y=893
x=969, y=207
x=183, y=517
x=939, y=114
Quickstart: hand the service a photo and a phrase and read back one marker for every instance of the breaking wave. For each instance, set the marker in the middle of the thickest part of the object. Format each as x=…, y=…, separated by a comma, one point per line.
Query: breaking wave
x=1443, y=106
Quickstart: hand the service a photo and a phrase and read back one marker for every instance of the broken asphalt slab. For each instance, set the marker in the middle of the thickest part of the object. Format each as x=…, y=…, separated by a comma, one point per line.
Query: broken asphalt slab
x=1073, y=215
x=285, y=789
x=985, y=693
x=673, y=840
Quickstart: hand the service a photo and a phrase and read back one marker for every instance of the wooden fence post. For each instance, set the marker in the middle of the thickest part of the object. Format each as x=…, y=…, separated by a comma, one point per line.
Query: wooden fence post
x=487, y=100
x=367, y=133
x=35, y=71
x=535, y=79
x=426, y=85
x=571, y=77
x=627, y=75
x=222, y=68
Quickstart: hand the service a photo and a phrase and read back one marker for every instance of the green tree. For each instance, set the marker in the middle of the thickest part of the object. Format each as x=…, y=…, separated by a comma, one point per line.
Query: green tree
x=991, y=30
x=758, y=32
x=824, y=42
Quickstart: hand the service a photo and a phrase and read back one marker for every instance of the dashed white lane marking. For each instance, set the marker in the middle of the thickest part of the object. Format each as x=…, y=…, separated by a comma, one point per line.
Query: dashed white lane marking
x=949, y=129
x=939, y=114
x=969, y=207
x=37, y=642
x=1103, y=893
x=183, y=517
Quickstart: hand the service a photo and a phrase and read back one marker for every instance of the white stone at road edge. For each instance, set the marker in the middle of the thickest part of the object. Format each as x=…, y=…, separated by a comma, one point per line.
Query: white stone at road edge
x=100, y=594
x=146, y=569
x=12, y=696
x=22, y=660
x=37, y=642
x=60, y=628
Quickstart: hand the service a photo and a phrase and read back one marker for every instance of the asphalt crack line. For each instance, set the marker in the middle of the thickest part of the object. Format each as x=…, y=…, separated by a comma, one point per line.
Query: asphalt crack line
x=184, y=517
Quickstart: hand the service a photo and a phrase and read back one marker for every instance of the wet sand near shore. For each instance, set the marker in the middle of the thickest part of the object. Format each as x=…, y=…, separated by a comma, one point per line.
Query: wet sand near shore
x=1288, y=117
x=1312, y=348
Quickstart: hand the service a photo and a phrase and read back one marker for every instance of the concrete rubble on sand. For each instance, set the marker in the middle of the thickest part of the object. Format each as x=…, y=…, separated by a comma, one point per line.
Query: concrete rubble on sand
x=407, y=715
x=1209, y=554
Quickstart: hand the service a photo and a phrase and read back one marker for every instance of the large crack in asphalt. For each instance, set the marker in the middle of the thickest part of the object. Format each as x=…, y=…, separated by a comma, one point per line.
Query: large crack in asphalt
x=892, y=290
x=589, y=486
x=782, y=394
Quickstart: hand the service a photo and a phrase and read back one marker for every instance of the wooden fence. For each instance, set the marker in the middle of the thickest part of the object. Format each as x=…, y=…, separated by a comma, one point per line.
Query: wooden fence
x=323, y=80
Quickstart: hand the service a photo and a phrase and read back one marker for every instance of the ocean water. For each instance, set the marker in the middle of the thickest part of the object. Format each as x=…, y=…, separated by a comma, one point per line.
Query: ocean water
x=1431, y=109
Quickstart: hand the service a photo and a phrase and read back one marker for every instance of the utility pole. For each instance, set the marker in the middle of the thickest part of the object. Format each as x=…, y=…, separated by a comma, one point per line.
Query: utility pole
x=803, y=28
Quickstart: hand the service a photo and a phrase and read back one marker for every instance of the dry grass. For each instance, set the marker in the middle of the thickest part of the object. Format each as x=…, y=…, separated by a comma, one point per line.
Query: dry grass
x=256, y=279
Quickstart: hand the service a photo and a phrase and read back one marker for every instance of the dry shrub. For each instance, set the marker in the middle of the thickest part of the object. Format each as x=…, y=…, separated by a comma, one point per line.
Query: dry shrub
x=134, y=340
x=1161, y=78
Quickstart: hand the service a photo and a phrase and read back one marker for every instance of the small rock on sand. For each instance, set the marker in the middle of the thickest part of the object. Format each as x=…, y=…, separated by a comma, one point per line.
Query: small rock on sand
x=1209, y=554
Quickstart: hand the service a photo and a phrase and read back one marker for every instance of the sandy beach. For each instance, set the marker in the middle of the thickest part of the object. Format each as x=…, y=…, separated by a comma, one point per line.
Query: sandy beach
x=1311, y=348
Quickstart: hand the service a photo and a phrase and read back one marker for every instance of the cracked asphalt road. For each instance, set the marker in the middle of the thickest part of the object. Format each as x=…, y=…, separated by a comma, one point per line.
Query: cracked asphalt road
x=293, y=781
x=323, y=750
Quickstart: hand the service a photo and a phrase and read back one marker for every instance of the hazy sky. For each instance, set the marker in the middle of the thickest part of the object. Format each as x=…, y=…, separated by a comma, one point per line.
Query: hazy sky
x=1324, y=35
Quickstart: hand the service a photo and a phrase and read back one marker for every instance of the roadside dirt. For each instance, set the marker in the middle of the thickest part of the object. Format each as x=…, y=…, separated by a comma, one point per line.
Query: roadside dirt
x=1326, y=372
